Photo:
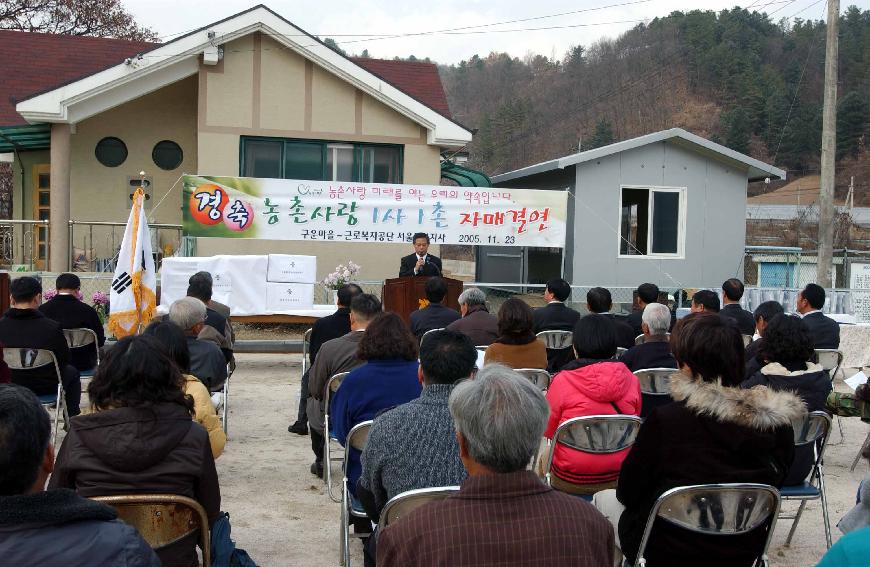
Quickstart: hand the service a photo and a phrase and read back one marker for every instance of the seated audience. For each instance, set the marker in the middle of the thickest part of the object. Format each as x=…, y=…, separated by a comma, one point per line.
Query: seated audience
x=714, y=432
x=598, y=301
x=207, y=362
x=503, y=514
x=224, y=310
x=52, y=528
x=516, y=345
x=217, y=327
x=763, y=314
x=655, y=351
x=435, y=315
x=324, y=329
x=732, y=291
x=477, y=323
x=556, y=316
x=204, y=412
x=594, y=384
x=140, y=438
x=336, y=356
x=705, y=301
x=414, y=445
x=853, y=549
x=24, y=326
x=71, y=313
x=388, y=378
x=646, y=293
x=824, y=331
x=788, y=354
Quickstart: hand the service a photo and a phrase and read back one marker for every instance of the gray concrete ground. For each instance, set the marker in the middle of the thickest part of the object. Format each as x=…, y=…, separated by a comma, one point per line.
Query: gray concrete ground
x=281, y=515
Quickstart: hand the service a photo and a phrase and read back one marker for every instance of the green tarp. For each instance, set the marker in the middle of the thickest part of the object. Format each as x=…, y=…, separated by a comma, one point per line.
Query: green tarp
x=464, y=176
x=25, y=137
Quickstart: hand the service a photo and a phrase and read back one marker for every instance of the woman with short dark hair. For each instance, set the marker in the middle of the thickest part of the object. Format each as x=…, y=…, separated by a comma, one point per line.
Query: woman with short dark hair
x=388, y=378
x=714, y=432
x=593, y=384
x=516, y=345
x=140, y=438
x=789, y=357
x=204, y=412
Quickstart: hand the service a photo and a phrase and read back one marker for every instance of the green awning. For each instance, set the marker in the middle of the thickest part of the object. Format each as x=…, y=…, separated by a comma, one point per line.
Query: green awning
x=464, y=176
x=25, y=137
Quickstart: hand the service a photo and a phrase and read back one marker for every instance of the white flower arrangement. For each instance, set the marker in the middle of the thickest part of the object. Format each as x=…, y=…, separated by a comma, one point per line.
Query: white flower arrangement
x=342, y=275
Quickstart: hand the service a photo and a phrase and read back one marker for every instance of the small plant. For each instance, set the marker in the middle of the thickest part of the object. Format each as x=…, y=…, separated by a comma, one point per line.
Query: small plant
x=49, y=294
x=342, y=275
x=101, y=304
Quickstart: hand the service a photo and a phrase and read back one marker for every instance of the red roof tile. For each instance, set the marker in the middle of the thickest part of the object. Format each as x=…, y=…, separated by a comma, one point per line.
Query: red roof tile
x=417, y=79
x=33, y=63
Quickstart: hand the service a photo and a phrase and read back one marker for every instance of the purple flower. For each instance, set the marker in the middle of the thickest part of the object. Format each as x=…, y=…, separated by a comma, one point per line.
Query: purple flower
x=49, y=294
x=100, y=298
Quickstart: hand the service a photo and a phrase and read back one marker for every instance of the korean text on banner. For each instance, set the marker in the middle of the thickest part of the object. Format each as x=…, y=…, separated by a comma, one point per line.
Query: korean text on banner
x=132, y=299
x=285, y=209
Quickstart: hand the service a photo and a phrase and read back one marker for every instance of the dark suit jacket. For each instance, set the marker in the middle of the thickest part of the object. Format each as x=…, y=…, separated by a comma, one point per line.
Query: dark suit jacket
x=654, y=353
x=635, y=319
x=624, y=333
x=824, y=330
x=74, y=314
x=556, y=316
x=328, y=328
x=499, y=519
x=744, y=319
x=29, y=328
x=479, y=325
x=432, y=267
x=433, y=316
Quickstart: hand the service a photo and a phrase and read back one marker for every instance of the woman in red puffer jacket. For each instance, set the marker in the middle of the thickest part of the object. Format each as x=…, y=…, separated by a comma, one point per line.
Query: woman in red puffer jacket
x=594, y=384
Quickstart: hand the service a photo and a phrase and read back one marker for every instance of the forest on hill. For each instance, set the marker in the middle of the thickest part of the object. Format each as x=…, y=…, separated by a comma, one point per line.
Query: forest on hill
x=735, y=76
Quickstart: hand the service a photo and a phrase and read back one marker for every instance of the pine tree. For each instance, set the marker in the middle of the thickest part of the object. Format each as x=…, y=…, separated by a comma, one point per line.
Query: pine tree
x=852, y=117
x=603, y=135
x=738, y=129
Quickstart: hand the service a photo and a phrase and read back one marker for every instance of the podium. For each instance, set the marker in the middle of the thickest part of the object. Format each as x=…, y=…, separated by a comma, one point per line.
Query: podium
x=403, y=295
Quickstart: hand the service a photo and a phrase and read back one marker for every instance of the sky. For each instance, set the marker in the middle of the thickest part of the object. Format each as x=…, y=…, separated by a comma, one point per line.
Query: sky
x=485, y=24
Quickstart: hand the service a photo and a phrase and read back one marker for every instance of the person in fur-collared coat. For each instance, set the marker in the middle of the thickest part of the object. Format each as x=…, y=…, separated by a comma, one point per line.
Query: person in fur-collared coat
x=714, y=432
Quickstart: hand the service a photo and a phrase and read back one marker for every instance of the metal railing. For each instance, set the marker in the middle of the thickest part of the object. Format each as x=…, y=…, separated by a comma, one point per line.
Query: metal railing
x=19, y=240
x=100, y=242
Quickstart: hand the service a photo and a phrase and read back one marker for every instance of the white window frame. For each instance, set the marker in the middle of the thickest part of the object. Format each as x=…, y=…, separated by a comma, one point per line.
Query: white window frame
x=681, y=223
x=334, y=149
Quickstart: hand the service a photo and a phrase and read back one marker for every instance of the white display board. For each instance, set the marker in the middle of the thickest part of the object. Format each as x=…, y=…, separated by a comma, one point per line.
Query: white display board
x=241, y=282
x=859, y=278
x=289, y=268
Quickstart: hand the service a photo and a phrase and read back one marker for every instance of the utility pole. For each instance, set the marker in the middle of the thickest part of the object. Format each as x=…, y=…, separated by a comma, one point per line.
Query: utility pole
x=829, y=150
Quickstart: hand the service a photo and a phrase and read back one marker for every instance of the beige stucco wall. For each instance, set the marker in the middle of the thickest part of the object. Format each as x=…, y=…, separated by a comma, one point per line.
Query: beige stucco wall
x=100, y=193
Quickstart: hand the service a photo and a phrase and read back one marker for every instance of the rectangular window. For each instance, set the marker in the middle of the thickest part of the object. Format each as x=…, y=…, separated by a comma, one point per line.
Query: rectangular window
x=652, y=221
x=320, y=160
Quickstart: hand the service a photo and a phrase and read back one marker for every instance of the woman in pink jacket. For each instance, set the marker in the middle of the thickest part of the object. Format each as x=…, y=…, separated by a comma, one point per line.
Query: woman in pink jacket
x=594, y=384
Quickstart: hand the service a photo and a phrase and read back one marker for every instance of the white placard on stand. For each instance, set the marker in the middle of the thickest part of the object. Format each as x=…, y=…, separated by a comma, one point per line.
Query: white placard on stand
x=859, y=278
x=288, y=297
x=290, y=268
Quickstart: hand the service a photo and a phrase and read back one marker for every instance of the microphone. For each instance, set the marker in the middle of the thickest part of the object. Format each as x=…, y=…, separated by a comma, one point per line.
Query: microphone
x=434, y=265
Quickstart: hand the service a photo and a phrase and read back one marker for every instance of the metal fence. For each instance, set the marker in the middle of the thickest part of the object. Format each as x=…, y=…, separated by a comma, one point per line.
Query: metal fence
x=94, y=245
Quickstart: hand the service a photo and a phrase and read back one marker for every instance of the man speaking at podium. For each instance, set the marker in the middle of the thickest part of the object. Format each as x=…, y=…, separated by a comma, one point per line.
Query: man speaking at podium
x=420, y=263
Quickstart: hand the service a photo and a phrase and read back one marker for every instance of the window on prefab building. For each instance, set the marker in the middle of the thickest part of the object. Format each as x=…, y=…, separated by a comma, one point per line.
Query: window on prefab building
x=320, y=160
x=652, y=221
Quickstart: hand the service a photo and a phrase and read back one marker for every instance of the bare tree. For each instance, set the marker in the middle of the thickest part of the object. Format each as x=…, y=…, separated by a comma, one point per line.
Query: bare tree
x=101, y=18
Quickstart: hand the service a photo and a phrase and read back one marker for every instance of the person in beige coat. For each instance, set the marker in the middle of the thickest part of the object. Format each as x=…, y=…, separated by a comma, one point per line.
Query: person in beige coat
x=204, y=411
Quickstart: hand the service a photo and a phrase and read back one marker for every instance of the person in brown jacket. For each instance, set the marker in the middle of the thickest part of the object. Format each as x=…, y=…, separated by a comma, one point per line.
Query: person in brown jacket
x=503, y=514
x=516, y=345
x=477, y=323
x=140, y=438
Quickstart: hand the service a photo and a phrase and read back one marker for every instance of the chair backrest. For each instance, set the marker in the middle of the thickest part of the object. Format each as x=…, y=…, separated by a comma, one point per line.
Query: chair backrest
x=332, y=386
x=356, y=439
x=619, y=352
x=82, y=337
x=715, y=509
x=641, y=338
x=427, y=332
x=24, y=359
x=594, y=434
x=655, y=381
x=747, y=340
x=403, y=504
x=162, y=519
x=557, y=340
x=830, y=359
x=538, y=377
x=481, y=348
x=306, y=342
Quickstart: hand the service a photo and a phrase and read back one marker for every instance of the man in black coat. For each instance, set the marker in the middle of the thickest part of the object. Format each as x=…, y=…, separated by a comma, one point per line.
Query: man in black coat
x=24, y=326
x=824, y=330
x=598, y=300
x=66, y=309
x=732, y=291
x=646, y=293
x=654, y=352
x=556, y=316
x=435, y=315
x=420, y=263
x=325, y=329
x=201, y=289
